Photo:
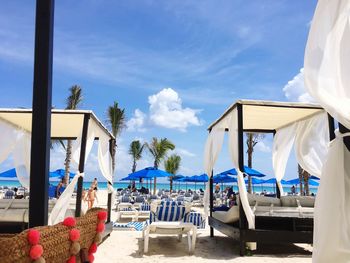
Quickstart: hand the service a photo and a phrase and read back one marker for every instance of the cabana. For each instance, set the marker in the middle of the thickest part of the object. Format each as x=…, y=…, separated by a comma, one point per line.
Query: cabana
x=306, y=126
x=83, y=127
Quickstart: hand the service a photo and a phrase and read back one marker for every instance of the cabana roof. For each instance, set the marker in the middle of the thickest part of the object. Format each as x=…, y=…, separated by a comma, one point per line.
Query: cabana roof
x=65, y=124
x=269, y=116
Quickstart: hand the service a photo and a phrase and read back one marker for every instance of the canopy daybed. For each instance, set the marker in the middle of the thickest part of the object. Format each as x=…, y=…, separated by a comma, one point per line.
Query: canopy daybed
x=269, y=219
x=83, y=127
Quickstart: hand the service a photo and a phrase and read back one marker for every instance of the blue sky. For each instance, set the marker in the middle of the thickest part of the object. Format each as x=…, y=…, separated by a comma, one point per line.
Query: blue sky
x=175, y=66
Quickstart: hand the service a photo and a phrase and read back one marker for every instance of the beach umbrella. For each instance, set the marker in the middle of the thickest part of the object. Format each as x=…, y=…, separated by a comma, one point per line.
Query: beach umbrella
x=149, y=172
x=297, y=181
x=60, y=173
x=224, y=178
x=9, y=173
x=314, y=177
x=250, y=171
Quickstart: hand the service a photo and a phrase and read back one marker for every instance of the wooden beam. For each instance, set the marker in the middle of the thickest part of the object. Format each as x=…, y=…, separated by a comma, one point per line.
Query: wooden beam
x=211, y=201
x=41, y=117
x=109, y=202
x=82, y=163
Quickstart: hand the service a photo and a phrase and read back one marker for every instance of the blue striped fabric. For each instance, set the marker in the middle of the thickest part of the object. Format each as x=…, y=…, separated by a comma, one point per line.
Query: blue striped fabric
x=152, y=217
x=172, y=203
x=170, y=213
x=125, y=199
x=126, y=209
x=196, y=219
x=145, y=207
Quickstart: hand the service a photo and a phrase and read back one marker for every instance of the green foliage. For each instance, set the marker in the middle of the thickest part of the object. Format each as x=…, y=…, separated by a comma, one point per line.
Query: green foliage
x=159, y=149
x=172, y=164
x=135, y=150
x=116, y=118
x=75, y=97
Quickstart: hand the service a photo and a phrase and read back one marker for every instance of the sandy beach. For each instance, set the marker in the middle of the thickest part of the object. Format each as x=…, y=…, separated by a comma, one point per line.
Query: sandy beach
x=126, y=245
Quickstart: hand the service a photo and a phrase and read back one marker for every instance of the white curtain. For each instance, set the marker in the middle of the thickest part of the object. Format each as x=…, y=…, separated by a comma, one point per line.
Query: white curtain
x=59, y=211
x=233, y=148
x=105, y=158
x=282, y=145
x=21, y=157
x=327, y=78
x=311, y=143
x=212, y=149
x=8, y=139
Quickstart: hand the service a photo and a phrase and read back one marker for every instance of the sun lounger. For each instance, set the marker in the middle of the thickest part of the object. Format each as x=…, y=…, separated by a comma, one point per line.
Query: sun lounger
x=169, y=220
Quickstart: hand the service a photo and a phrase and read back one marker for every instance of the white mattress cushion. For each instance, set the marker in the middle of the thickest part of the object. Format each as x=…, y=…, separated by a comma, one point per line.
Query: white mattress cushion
x=230, y=216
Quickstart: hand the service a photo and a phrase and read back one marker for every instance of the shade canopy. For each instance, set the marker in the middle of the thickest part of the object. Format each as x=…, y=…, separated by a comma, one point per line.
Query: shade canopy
x=269, y=115
x=64, y=123
x=148, y=172
x=12, y=173
x=247, y=170
x=224, y=178
x=297, y=181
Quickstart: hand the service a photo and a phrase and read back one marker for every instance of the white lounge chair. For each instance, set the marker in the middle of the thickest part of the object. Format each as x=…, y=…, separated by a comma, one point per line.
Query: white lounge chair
x=169, y=220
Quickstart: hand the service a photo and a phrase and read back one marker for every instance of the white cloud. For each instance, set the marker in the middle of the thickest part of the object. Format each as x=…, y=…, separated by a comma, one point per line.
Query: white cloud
x=184, y=152
x=166, y=111
x=262, y=147
x=137, y=122
x=295, y=89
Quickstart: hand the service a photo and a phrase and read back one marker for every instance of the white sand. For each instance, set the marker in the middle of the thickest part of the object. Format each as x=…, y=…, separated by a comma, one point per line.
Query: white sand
x=127, y=246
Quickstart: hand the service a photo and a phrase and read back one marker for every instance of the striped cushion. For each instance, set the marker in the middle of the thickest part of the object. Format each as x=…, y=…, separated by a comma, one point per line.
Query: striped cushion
x=126, y=209
x=171, y=203
x=152, y=217
x=145, y=207
x=125, y=199
x=196, y=219
x=170, y=213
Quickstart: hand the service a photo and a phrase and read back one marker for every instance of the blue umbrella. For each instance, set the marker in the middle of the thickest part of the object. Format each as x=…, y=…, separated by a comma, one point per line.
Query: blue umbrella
x=297, y=181
x=130, y=178
x=224, y=178
x=199, y=178
x=314, y=177
x=9, y=173
x=247, y=170
x=150, y=172
x=60, y=173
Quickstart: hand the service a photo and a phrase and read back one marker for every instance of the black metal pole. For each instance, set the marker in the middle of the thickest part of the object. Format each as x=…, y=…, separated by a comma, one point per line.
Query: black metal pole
x=346, y=140
x=82, y=163
x=41, y=118
x=109, y=202
x=331, y=127
x=211, y=201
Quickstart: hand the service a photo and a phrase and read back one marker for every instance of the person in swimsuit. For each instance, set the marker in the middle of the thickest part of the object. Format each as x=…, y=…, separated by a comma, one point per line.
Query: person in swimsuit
x=91, y=196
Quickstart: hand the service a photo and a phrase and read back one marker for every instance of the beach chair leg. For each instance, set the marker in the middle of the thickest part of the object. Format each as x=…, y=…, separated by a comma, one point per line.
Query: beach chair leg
x=194, y=237
x=146, y=241
x=189, y=242
x=179, y=237
x=211, y=232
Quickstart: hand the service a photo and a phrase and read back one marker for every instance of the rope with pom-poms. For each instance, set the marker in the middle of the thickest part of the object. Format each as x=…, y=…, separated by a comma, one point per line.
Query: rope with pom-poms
x=100, y=228
x=74, y=235
x=36, y=250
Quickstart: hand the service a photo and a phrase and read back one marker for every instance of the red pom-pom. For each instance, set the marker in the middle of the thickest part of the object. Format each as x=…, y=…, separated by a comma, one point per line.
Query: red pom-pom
x=74, y=234
x=102, y=215
x=100, y=227
x=91, y=258
x=36, y=251
x=72, y=259
x=69, y=221
x=33, y=237
x=93, y=248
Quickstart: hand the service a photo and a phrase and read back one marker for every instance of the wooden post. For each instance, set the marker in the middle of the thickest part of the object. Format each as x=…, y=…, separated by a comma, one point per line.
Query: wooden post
x=211, y=201
x=109, y=202
x=82, y=163
x=331, y=127
x=41, y=116
x=243, y=222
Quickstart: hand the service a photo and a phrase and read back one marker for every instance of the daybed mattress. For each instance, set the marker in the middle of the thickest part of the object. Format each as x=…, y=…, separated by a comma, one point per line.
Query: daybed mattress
x=230, y=216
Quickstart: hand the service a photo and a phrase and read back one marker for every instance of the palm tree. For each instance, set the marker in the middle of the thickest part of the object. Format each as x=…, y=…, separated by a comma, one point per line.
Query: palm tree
x=135, y=151
x=300, y=174
x=252, y=140
x=158, y=149
x=172, y=165
x=73, y=101
x=116, y=122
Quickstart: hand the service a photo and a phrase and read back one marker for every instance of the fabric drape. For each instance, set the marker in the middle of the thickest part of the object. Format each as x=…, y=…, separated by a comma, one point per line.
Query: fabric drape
x=21, y=158
x=233, y=149
x=212, y=149
x=105, y=158
x=8, y=139
x=327, y=79
x=59, y=211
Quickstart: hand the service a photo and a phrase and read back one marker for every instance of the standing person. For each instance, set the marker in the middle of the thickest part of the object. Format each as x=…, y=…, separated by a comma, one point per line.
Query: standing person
x=60, y=184
x=94, y=183
x=91, y=196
